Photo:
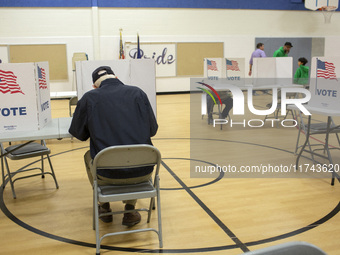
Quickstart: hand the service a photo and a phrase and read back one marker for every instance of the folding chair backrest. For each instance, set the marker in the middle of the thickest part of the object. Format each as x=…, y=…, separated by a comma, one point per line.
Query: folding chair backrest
x=73, y=102
x=291, y=248
x=126, y=156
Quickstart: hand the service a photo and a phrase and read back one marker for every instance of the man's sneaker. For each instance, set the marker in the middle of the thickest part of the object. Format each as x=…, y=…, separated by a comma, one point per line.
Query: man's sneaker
x=105, y=208
x=131, y=218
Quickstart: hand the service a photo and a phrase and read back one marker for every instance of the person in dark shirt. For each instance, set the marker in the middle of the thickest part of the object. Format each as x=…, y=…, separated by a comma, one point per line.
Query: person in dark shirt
x=114, y=114
x=226, y=99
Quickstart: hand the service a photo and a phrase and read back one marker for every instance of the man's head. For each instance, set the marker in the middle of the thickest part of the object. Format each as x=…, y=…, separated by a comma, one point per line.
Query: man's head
x=100, y=74
x=287, y=47
x=260, y=46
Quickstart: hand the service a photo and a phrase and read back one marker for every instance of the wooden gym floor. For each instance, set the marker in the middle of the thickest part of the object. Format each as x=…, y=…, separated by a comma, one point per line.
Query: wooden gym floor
x=205, y=215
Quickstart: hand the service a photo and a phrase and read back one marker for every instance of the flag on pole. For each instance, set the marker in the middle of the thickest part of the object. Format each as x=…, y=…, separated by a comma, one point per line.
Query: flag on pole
x=138, y=47
x=8, y=83
x=326, y=70
x=121, y=49
x=212, y=65
x=232, y=65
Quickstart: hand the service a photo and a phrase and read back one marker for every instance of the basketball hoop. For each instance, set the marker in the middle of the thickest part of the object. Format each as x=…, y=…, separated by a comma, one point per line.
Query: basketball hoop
x=327, y=12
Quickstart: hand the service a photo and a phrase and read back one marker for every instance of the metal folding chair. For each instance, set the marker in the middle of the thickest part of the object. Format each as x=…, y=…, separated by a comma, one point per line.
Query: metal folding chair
x=291, y=248
x=317, y=129
x=120, y=157
x=73, y=101
x=18, y=152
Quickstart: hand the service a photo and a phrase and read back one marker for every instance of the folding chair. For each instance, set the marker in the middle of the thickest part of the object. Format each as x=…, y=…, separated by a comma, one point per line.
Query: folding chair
x=316, y=129
x=291, y=248
x=18, y=152
x=120, y=157
x=205, y=110
x=73, y=101
x=278, y=108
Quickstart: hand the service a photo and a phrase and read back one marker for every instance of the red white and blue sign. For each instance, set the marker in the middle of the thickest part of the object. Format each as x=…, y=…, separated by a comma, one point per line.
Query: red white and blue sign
x=324, y=83
x=21, y=99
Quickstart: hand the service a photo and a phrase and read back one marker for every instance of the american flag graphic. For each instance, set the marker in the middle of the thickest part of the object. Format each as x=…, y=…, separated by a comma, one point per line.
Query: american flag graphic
x=8, y=83
x=232, y=65
x=212, y=65
x=326, y=70
x=42, y=78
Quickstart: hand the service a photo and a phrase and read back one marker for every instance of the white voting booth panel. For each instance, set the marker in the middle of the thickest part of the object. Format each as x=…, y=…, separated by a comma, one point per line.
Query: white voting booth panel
x=235, y=71
x=231, y=69
x=221, y=72
x=24, y=96
x=136, y=72
x=270, y=71
x=43, y=95
x=214, y=67
x=325, y=83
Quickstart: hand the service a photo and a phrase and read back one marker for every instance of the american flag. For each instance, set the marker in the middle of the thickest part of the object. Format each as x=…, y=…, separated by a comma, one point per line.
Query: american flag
x=8, y=83
x=42, y=78
x=121, y=49
x=212, y=65
x=232, y=65
x=326, y=70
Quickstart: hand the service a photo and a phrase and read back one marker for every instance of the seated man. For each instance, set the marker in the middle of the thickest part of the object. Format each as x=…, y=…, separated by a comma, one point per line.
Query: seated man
x=226, y=100
x=114, y=114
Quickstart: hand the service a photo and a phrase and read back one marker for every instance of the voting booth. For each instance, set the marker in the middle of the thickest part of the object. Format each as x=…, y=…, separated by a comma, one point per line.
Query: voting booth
x=235, y=71
x=24, y=96
x=325, y=83
x=272, y=71
x=231, y=69
x=214, y=68
x=219, y=73
x=135, y=72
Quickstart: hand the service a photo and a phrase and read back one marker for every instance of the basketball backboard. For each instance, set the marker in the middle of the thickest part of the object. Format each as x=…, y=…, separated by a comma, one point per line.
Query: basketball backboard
x=317, y=4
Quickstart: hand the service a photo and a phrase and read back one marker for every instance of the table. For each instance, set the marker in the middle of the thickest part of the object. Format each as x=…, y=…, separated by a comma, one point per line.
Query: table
x=55, y=129
x=63, y=94
x=329, y=129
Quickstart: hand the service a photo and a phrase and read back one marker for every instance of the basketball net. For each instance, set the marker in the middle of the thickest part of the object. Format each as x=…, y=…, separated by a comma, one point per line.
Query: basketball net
x=327, y=12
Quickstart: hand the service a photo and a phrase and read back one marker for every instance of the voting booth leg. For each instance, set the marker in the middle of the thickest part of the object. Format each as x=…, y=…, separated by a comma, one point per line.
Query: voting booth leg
x=302, y=128
x=52, y=171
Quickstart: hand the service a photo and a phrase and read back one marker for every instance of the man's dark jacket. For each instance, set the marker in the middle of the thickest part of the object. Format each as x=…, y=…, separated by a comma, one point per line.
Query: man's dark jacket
x=114, y=114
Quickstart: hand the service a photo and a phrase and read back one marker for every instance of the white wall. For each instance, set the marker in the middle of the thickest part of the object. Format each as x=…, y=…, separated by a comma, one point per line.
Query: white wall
x=96, y=31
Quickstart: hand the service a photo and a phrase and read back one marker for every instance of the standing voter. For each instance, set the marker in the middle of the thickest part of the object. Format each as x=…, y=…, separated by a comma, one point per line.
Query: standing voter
x=283, y=50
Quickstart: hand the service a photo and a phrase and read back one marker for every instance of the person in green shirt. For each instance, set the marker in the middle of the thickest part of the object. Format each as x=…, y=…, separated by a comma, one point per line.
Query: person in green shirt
x=284, y=50
x=302, y=73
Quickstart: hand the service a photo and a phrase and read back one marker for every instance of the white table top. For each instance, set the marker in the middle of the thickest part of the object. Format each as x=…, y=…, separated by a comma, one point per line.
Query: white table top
x=222, y=86
x=55, y=129
x=63, y=94
x=317, y=110
x=64, y=125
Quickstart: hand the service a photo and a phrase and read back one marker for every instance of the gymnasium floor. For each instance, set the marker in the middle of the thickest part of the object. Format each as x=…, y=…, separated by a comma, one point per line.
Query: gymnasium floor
x=210, y=215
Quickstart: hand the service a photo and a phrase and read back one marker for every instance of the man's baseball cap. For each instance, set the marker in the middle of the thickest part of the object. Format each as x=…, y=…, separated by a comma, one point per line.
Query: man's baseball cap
x=100, y=71
x=288, y=44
